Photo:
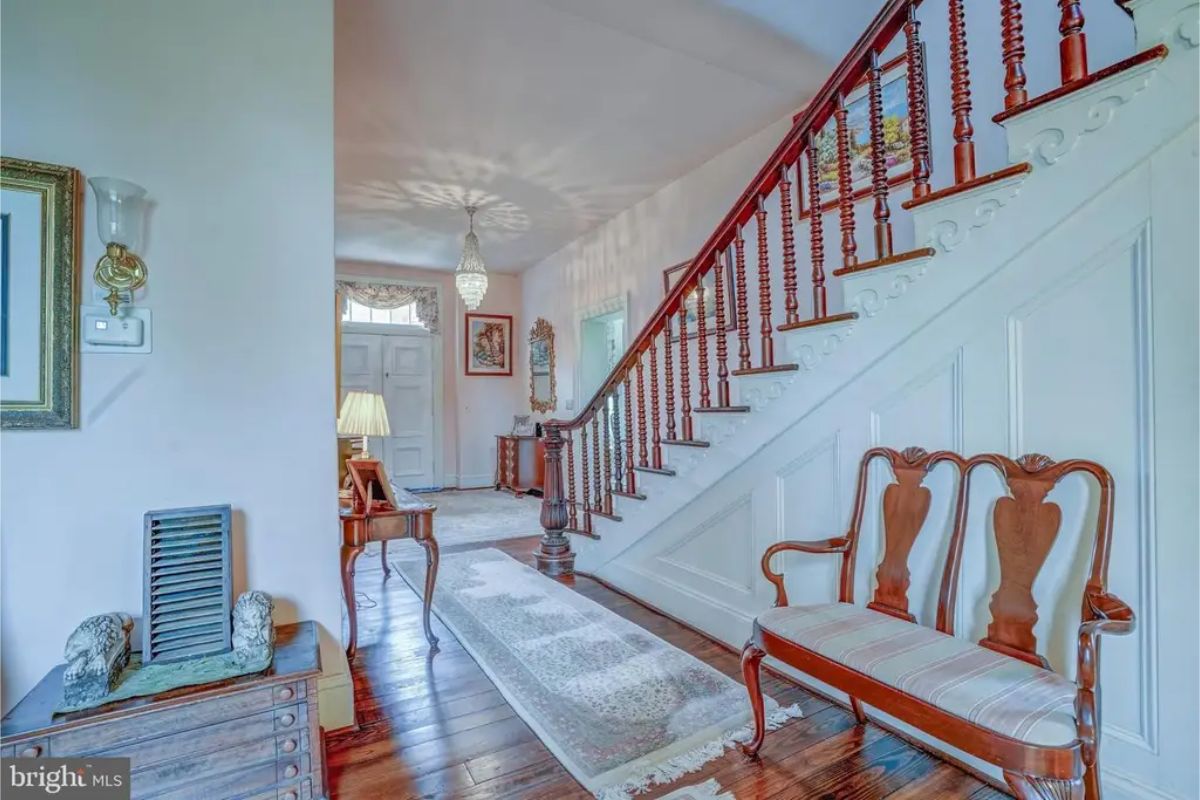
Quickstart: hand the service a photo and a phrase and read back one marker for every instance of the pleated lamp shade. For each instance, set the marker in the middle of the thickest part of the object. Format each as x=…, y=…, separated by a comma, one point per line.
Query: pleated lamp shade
x=363, y=414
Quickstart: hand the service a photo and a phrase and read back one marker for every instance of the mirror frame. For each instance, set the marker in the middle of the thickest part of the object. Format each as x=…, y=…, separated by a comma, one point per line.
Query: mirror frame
x=542, y=331
x=58, y=403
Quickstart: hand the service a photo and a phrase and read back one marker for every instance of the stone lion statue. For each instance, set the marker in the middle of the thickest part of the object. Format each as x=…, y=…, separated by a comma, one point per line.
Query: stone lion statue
x=253, y=630
x=96, y=653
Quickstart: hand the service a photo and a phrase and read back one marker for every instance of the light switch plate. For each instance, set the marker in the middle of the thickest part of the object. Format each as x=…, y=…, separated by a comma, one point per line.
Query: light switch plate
x=128, y=332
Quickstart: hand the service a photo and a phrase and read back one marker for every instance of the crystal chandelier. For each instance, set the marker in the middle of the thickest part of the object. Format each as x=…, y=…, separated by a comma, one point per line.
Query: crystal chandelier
x=471, y=275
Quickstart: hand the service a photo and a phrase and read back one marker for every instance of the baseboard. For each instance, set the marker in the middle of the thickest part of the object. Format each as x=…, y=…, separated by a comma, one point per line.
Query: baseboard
x=475, y=481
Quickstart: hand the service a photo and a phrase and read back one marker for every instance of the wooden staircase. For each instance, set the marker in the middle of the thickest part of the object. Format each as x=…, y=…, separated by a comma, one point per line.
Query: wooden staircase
x=673, y=391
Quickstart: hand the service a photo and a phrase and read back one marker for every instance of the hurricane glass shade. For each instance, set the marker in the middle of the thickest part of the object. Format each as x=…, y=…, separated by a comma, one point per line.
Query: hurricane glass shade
x=363, y=414
x=120, y=212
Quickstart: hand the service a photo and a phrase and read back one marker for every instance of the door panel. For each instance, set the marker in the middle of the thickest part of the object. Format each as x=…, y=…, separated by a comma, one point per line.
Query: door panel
x=408, y=393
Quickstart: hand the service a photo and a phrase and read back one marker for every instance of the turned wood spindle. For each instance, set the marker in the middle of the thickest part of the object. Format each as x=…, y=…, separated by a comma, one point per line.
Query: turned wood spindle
x=669, y=379
x=722, y=342
x=816, y=235
x=960, y=95
x=1013, y=46
x=572, y=517
x=845, y=192
x=585, y=498
x=655, y=433
x=685, y=387
x=743, y=309
x=629, y=479
x=764, y=287
x=791, y=306
x=1072, y=48
x=879, y=182
x=598, y=504
x=918, y=108
x=643, y=455
x=613, y=419
x=702, y=342
x=606, y=449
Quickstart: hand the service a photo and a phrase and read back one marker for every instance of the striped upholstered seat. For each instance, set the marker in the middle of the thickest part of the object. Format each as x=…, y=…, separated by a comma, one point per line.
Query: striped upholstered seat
x=1008, y=696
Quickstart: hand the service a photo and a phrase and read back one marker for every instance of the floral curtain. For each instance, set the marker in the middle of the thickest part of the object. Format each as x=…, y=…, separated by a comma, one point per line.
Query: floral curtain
x=394, y=295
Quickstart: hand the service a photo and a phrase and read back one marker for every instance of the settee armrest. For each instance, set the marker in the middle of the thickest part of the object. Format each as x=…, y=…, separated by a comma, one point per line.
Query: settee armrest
x=840, y=544
x=1110, y=615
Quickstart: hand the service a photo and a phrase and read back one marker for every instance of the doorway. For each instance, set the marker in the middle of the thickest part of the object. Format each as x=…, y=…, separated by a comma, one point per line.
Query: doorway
x=601, y=344
x=402, y=366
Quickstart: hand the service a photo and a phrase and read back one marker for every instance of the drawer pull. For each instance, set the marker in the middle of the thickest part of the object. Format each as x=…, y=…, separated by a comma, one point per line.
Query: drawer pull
x=33, y=751
x=291, y=771
x=287, y=720
x=289, y=795
x=289, y=745
x=286, y=693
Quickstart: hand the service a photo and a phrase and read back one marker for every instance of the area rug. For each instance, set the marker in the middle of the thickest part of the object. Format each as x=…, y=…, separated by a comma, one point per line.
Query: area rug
x=620, y=708
x=701, y=791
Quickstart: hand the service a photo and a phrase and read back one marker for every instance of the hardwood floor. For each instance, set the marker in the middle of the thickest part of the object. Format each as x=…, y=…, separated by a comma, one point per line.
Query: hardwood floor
x=438, y=728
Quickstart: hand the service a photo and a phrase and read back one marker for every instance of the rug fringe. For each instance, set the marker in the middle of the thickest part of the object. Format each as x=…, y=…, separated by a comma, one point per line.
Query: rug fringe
x=696, y=758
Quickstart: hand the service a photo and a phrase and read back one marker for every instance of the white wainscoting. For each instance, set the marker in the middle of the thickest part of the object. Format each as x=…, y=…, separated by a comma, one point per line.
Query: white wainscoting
x=1083, y=345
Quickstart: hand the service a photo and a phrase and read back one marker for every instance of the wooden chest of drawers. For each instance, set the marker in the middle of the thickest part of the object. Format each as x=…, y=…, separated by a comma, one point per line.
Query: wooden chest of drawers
x=255, y=737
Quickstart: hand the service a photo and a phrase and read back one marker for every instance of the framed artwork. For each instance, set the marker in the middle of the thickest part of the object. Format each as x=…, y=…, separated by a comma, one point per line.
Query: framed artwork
x=489, y=349
x=522, y=425
x=671, y=276
x=372, y=489
x=897, y=143
x=39, y=294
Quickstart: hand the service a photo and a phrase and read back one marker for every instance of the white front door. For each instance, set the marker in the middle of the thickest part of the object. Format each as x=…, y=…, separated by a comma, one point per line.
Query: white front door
x=400, y=367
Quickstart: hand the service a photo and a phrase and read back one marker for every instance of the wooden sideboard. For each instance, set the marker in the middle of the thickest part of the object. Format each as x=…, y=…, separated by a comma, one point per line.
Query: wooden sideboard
x=520, y=463
x=253, y=737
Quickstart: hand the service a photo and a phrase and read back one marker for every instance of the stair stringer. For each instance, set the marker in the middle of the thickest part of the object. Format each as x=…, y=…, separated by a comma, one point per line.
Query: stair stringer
x=970, y=247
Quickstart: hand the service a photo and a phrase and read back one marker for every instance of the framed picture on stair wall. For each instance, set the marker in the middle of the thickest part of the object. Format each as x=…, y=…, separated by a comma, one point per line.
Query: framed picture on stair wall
x=897, y=143
x=488, y=344
x=671, y=276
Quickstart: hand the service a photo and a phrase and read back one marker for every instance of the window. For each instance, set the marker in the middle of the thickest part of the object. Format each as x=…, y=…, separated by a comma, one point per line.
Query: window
x=404, y=315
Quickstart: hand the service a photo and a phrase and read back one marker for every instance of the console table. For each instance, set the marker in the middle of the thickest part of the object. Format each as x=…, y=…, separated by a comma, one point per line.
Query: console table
x=520, y=463
x=412, y=518
x=254, y=736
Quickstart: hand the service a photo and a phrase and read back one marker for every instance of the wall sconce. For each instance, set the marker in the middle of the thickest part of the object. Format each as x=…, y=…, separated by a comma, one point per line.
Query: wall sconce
x=120, y=212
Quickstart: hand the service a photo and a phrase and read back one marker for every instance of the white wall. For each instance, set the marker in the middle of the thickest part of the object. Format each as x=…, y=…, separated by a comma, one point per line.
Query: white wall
x=474, y=408
x=223, y=110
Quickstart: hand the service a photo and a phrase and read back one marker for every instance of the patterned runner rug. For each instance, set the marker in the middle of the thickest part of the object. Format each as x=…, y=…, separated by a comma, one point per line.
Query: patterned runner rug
x=620, y=708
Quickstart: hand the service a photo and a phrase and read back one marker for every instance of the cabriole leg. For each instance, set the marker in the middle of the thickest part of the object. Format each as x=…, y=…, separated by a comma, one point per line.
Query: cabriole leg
x=752, y=657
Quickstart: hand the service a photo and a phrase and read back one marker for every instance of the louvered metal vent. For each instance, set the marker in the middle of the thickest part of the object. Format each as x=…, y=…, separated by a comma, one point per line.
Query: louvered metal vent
x=188, y=584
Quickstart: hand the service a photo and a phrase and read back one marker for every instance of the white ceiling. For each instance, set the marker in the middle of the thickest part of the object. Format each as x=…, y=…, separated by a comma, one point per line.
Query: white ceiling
x=551, y=115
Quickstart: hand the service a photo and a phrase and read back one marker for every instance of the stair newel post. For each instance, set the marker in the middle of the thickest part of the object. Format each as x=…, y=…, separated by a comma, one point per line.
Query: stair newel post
x=585, y=479
x=816, y=235
x=598, y=503
x=669, y=380
x=722, y=341
x=1013, y=49
x=879, y=182
x=606, y=449
x=1072, y=48
x=630, y=485
x=743, y=308
x=685, y=386
x=918, y=105
x=655, y=432
x=845, y=189
x=764, y=286
x=572, y=513
x=643, y=455
x=554, y=556
x=702, y=341
x=960, y=95
x=791, y=306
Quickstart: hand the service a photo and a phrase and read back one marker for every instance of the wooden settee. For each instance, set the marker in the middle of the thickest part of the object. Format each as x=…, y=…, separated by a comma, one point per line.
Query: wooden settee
x=997, y=700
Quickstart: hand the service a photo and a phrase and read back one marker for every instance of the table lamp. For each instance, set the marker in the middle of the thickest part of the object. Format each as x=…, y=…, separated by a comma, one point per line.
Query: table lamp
x=363, y=414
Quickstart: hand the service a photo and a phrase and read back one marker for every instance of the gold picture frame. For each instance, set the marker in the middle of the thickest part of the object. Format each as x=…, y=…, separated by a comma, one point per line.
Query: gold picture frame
x=39, y=269
x=541, y=368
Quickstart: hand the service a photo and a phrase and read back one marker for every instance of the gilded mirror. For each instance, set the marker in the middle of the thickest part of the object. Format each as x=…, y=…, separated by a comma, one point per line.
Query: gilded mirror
x=542, y=394
x=39, y=259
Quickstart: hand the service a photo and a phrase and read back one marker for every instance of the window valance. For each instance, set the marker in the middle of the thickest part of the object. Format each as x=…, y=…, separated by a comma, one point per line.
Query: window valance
x=395, y=295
